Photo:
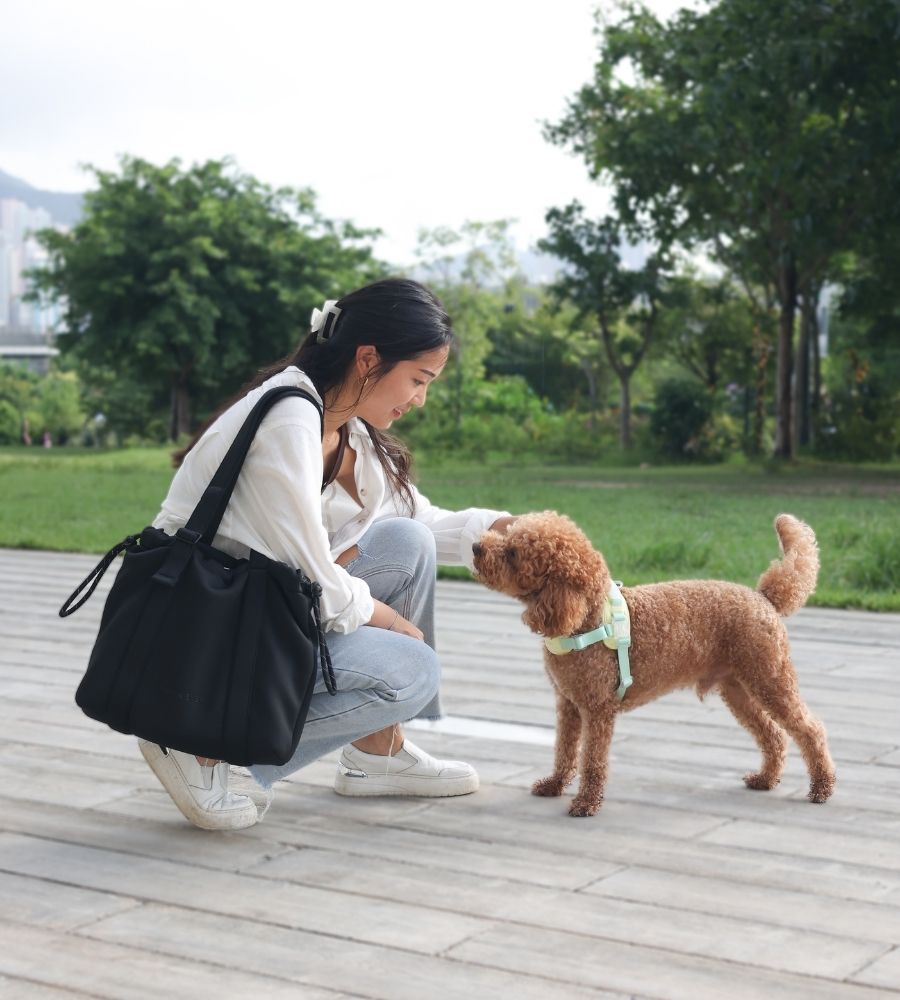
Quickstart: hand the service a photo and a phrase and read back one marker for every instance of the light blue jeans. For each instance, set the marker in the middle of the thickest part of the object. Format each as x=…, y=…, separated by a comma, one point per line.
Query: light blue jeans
x=382, y=677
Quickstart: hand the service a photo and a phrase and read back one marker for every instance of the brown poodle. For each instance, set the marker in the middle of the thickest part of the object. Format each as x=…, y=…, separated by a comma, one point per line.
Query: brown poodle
x=689, y=633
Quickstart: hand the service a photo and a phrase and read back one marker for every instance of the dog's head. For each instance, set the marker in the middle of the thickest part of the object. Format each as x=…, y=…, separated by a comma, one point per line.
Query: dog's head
x=546, y=561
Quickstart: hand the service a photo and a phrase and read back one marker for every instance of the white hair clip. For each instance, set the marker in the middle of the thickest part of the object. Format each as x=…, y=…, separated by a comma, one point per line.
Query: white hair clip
x=319, y=320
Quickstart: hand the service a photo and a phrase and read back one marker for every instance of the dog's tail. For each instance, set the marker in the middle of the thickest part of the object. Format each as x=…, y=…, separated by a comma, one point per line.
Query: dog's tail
x=789, y=581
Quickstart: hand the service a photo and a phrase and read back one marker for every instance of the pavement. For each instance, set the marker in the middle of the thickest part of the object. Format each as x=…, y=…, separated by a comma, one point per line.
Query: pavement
x=685, y=886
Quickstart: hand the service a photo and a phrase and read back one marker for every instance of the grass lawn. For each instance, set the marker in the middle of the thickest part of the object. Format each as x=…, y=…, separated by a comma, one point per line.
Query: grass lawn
x=651, y=523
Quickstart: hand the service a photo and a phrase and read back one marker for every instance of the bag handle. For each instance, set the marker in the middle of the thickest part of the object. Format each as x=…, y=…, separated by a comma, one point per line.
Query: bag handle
x=95, y=575
x=203, y=524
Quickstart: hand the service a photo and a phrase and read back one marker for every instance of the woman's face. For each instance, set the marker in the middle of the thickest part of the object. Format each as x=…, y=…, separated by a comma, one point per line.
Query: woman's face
x=404, y=386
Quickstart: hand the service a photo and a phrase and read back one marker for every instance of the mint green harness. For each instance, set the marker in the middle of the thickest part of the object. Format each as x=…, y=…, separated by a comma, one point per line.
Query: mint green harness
x=614, y=632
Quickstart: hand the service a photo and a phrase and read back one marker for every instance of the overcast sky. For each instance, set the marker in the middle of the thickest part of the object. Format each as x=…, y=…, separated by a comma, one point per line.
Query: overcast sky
x=399, y=113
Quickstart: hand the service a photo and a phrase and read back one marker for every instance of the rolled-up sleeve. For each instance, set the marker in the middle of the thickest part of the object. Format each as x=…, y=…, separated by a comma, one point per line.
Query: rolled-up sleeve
x=278, y=503
x=455, y=532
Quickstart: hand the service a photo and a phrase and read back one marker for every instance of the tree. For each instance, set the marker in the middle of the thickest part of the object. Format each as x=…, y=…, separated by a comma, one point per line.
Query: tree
x=184, y=281
x=623, y=303
x=472, y=270
x=764, y=129
x=58, y=409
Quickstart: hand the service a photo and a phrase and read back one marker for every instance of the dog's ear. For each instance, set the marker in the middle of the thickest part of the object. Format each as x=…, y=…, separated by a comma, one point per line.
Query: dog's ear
x=556, y=609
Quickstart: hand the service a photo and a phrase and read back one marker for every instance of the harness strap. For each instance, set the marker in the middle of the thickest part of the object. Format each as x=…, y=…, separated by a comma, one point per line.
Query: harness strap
x=615, y=633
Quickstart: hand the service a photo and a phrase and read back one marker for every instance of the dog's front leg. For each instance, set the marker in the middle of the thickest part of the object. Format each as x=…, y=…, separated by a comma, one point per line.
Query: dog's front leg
x=568, y=735
x=596, y=736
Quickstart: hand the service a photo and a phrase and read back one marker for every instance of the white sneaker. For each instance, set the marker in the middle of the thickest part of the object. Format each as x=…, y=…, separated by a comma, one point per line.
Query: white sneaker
x=201, y=793
x=410, y=771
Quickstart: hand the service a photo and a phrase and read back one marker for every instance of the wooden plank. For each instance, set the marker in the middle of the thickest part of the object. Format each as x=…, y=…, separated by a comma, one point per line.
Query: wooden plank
x=761, y=940
x=109, y=970
x=883, y=972
x=23, y=989
x=396, y=924
x=38, y=903
x=629, y=968
x=172, y=839
x=324, y=959
x=721, y=896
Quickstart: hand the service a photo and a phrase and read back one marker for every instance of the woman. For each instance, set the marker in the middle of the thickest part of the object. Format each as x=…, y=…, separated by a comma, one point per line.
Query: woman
x=368, y=537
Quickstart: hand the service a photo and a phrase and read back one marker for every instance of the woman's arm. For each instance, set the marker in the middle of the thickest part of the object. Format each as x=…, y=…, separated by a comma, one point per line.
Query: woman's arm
x=277, y=507
x=384, y=616
x=456, y=531
x=389, y=618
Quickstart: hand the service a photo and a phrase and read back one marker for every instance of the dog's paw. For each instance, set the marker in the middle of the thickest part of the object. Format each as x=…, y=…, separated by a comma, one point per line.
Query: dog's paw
x=820, y=790
x=760, y=782
x=584, y=807
x=547, y=786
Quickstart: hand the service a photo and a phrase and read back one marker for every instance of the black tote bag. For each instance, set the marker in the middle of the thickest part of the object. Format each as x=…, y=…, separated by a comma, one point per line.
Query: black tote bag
x=201, y=651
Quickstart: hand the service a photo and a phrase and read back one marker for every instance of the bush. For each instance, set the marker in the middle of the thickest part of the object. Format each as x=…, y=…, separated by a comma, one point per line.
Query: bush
x=857, y=433
x=10, y=423
x=682, y=410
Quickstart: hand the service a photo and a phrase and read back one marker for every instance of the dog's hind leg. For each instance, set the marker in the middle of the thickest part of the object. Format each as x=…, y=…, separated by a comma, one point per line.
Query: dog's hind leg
x=568, y=736
x=780, y=697
x=769, y=736
x=596, y=738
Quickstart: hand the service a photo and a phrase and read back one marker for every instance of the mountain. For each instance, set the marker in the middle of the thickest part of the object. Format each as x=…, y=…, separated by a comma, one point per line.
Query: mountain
x=65, y=208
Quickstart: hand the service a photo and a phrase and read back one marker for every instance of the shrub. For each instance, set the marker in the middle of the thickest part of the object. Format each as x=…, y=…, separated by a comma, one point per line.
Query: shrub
x=10, y=423
x=682, y=409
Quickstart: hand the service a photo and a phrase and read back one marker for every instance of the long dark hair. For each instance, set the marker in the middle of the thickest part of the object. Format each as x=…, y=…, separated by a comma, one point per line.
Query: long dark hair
x=401, y=319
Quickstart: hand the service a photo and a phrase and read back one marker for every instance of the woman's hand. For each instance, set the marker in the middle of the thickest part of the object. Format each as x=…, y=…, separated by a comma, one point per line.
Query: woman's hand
x=502, y=523
x=386, y=617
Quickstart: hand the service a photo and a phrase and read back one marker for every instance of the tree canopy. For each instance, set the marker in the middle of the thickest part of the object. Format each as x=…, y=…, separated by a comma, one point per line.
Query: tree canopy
x=768, y=131
x=183, y=281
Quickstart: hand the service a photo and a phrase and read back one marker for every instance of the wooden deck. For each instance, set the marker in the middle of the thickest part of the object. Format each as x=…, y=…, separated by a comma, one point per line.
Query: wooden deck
x=685, y=886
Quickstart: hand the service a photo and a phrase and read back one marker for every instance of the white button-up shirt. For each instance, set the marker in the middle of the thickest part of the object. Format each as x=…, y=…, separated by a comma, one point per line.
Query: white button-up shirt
x=278, y=509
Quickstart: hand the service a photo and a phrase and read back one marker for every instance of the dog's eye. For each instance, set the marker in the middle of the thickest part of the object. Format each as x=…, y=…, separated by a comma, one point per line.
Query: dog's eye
x=511, y=554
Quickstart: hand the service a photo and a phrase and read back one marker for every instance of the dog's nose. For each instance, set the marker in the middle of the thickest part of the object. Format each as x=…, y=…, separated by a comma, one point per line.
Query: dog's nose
x=476, y=548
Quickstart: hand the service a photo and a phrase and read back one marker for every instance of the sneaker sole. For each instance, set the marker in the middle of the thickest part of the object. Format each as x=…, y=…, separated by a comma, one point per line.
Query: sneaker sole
x=172, y=780
x=425, y=788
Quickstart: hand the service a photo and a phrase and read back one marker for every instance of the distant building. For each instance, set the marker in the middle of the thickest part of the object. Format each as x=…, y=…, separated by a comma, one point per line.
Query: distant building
x=24, y=347
x=27, y=329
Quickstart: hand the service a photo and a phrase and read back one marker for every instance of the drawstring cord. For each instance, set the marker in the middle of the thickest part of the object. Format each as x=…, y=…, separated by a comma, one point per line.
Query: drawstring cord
x=324, y=654
x=96, y=574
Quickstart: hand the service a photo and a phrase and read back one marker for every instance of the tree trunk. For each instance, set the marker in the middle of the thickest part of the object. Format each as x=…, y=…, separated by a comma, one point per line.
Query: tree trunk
x=180, y=411
x=591, y=375
x=816, y=378
x=625, y=414
x=787, y=295
x=761, y=348
x=804, y=351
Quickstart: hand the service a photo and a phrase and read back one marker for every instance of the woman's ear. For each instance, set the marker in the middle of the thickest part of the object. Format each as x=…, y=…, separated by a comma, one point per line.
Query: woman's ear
x=367, y=358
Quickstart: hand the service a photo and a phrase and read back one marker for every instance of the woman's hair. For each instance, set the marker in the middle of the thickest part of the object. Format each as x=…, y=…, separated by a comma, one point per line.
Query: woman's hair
x=401, y=319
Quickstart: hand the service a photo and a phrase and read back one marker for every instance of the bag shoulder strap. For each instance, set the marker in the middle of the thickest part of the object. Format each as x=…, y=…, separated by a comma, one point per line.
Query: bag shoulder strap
x=208, y=514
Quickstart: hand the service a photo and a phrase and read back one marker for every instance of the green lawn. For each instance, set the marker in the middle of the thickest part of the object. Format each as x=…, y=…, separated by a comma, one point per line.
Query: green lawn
x=651, y=523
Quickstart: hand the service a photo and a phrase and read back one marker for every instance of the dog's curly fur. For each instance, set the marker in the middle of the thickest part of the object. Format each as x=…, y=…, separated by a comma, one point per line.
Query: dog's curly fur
x=705, y=634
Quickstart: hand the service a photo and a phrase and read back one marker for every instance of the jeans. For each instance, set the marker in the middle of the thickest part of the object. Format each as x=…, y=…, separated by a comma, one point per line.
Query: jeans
x=382, y=677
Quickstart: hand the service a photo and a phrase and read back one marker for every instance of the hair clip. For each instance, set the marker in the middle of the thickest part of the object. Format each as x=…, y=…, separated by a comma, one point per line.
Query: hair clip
x=323, y=321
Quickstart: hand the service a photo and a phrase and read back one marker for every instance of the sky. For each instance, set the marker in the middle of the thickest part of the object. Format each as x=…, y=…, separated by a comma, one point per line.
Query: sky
x=400, y=114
